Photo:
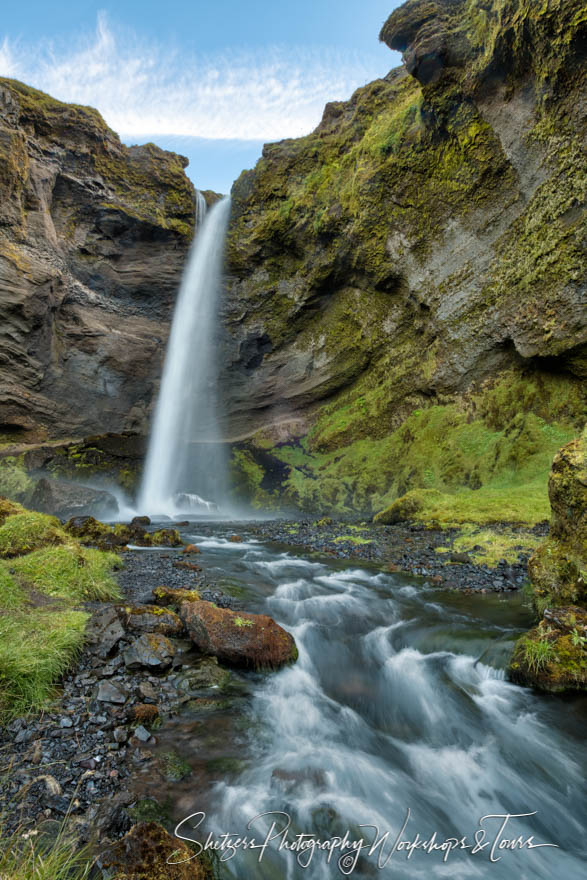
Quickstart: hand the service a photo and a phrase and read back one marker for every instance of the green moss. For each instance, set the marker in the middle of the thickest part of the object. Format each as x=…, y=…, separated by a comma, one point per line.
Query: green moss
x=241, y=621
x=172, y=766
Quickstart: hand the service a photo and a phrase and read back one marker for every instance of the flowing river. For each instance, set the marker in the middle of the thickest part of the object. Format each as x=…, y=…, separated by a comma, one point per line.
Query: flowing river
x=397, y=717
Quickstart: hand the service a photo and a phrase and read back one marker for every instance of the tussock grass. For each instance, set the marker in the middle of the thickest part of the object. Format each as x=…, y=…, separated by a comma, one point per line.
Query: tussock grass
x=69, y=572
x=29, y=531
x=28, y=856
x=36, y=648
x=44, y=577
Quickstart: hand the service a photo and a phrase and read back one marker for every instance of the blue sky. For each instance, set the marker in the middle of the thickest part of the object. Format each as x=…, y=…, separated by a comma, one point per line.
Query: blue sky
x=212, y=79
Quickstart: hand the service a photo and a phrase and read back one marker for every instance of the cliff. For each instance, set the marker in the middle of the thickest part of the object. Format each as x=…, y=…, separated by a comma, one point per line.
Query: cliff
x=93, y=237
x=406, y=295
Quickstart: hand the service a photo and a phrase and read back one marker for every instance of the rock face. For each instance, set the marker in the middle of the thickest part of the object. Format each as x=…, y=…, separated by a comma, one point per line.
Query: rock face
x=238, y=639
x=553, y=656
x=93, y=237
x=558, y=569
x=423, y=240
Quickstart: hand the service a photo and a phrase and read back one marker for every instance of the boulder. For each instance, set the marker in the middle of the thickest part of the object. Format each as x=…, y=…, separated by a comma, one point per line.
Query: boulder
x=236, y=638
x=168, y=596
x=104, y=631
x=152, y=651
x=553, y=656
x=149, y=619
x=148, y=852
x=66, y=500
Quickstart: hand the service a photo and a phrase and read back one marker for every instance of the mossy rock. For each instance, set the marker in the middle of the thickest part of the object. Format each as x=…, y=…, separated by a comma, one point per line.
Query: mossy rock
x=149, y=852
x=406, y=507
x=552, y=657
x=9, y=508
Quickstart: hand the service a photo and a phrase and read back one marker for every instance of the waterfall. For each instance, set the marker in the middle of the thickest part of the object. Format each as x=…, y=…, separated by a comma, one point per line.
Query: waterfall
x=185, y=470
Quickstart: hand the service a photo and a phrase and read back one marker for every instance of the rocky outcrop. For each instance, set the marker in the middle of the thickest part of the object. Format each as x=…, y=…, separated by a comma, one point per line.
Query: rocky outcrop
x=65, y=500
x=93, y=237
x=558, y=569
x=424, y=240
x=553, y=655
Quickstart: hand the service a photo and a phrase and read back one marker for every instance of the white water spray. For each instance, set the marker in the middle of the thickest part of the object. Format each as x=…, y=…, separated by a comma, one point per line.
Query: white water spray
x=185, y=470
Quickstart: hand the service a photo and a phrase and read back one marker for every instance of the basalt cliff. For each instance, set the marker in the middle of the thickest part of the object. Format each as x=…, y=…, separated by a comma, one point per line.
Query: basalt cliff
x=93, y=237
x=404, y=308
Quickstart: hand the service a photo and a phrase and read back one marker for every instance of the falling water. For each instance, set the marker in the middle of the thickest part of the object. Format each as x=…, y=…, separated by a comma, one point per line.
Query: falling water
x=185, y=467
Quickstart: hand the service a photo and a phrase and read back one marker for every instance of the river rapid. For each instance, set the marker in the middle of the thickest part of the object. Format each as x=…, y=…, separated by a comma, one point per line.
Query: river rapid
x=397, y=717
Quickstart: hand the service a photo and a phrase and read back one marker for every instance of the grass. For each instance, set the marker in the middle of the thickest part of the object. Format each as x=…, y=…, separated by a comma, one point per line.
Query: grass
x=36, y=648
x=70, y=572
x=489, y=546
x=537, y=653
x=32, y=857
x=41, y=626
x=29, y=531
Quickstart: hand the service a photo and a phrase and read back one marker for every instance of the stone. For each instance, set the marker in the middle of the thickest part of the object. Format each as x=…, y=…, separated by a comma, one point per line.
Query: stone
x=108, y=692
x=65, y=500
x=104, y=631
x=204, y=674
x=150, y=619
x=169, y=596
x=239, y=639
x=147, y=691
x=142, y=734
x=191, y=548
x=151, y=651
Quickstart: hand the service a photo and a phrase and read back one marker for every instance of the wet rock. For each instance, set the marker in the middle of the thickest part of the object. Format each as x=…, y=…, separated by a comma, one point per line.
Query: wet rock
x=239, y=639
x=140, y=521
x=206, y=674
x=189, y=566
x=104, y=631
x=151, y=651
x=172, y=766
x=65, y=500
x=150, y=618
x=148, y=851
x=191, y=548
x=109, y=692
x=235, y=539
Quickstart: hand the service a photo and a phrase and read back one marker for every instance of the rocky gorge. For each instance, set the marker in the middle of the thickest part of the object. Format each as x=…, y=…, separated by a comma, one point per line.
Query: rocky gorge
x=401, y=398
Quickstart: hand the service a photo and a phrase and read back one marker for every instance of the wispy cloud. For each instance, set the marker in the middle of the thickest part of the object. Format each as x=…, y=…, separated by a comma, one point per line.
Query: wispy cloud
x=148, y=89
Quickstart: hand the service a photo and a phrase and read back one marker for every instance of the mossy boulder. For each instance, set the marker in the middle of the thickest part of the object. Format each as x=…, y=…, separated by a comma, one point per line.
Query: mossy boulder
x=149, y=852
x=558, y=569
x=169, y=596
x=150, y=619
x=406, y=507
x=238, y=639
x=553, y=656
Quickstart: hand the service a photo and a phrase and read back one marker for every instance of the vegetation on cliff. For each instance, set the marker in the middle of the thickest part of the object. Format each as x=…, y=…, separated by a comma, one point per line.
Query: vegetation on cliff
x=417, y=259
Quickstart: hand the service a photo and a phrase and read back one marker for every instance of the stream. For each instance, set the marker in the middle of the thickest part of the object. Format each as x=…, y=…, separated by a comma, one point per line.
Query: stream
x=397, y=717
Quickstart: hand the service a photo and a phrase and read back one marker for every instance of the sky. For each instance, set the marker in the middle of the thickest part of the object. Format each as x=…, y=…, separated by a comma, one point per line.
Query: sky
x=211, y=79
